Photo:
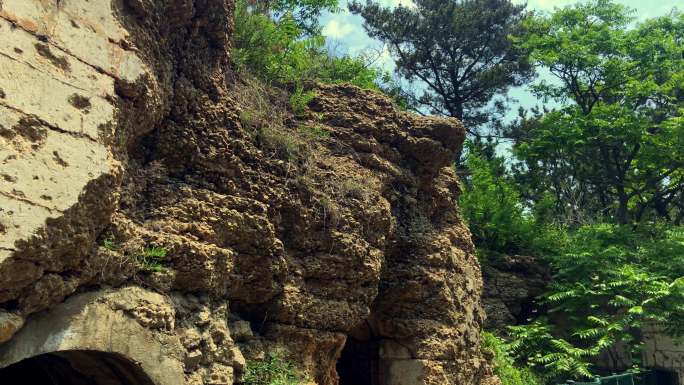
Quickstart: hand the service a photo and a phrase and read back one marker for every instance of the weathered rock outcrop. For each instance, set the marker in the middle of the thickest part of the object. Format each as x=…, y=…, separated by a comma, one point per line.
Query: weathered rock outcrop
x=512, y=284
x=131, y=187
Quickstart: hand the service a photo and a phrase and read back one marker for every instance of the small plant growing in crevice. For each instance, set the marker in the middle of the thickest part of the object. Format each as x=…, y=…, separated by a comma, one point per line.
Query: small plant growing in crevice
x=350, y=188
x=151, y=259
x=284, y=144
x=330, y=210
x=315, y=132
x=250, y=121
x=109, y=244
x=273, y=370
x=299, y=101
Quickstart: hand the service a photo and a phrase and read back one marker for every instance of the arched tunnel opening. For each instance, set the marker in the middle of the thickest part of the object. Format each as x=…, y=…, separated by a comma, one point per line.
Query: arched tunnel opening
x=359, y=363
x=75, y=367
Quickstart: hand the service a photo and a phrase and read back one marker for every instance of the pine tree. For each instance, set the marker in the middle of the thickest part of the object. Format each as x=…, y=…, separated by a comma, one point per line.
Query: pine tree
x=460, y=49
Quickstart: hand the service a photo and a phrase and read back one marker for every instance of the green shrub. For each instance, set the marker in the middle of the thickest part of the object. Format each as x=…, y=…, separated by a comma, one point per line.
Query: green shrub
x=305, y=13
x=274, y=370
x=608, y=281
x=504, y=365
x=492, y=206
x=280, y=50
x=354, y=70
x=270, y=49
x=299, y=100
x=552, y=358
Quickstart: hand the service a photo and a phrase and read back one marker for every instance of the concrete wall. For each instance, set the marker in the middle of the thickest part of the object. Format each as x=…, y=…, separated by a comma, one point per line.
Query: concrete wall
x=110, y=321
x=663, y=352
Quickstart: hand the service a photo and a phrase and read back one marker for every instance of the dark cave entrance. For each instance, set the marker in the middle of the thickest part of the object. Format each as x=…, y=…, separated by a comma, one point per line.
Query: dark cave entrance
x=76, y=367
x=662, y=377
x=359, y=363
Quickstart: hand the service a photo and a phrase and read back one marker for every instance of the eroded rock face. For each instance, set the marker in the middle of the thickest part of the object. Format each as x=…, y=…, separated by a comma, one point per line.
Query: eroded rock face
x=512, y=284
x=57, y=111
x=127, y=174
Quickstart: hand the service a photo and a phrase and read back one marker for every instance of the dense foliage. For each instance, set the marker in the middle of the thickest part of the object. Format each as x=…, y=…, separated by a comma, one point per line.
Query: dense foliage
x=304, y=13
x=459, y=50
x=615, y=149
x=281, y=52
x=593, y=188
x=496, y=214
x=288, y=50
x=504, y=365
x=610, y=280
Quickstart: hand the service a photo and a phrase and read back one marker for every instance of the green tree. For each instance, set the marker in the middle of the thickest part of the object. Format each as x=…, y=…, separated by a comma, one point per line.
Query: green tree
x=492, y=206
x=616, y=147
x=504, y=365
x=494, y=210
x=459, y=49
x=304, y=13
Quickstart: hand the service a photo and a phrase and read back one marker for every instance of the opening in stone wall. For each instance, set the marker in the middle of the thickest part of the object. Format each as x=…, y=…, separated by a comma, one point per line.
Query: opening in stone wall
x=76, y=367
x=359, y=363
x=664, y=377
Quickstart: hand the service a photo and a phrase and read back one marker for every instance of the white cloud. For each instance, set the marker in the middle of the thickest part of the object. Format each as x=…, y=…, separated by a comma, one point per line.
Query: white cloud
x=644, y=8
x=394, y=3
x=337, y=30
x=546, y=5
x=550, y=3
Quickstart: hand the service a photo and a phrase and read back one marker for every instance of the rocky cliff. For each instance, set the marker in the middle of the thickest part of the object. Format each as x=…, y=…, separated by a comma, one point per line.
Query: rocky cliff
x=150, y=230
x=512, y=284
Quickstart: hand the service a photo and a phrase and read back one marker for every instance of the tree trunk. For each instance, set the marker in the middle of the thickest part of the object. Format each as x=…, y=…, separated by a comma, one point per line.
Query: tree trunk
x=623, y=210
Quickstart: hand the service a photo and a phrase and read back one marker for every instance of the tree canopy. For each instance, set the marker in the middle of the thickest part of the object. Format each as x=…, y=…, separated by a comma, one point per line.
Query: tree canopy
x=593, y=187
x=615, y=147
x=304, y=13
x=458, y=50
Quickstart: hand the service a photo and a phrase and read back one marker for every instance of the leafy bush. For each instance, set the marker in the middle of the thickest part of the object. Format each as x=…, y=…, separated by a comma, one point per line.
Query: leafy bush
x=609, y=280
x=270, y=49
x=304, y=12
x=279, y=50
x=493, y=208
x=274, y=370
x=354, y=70
x=504, y=365
x=553, y=358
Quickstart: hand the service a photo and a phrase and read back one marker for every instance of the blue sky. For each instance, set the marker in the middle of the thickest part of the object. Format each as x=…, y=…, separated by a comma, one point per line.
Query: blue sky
x=346, y=35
